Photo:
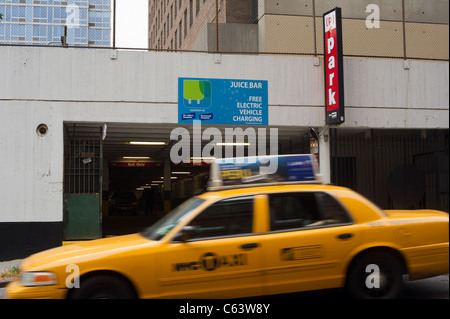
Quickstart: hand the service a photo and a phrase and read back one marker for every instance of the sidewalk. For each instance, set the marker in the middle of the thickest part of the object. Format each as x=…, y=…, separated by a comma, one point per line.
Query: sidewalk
x=4, y=265
x=9, y=264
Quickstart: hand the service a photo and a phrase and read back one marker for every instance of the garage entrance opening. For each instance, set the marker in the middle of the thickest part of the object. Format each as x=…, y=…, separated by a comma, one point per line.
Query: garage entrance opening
x=132, y=162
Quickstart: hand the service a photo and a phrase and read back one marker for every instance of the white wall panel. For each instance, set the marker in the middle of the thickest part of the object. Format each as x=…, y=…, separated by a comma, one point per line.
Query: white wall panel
x=52, y=85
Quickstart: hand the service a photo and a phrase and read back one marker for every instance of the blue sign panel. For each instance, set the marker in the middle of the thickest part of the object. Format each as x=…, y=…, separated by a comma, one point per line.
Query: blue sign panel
x=297, y=168
x=222, y=101
x=257, y=170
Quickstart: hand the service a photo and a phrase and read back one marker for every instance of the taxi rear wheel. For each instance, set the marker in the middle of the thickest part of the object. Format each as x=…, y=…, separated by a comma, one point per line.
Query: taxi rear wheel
x=102, y=287
x=375, y=275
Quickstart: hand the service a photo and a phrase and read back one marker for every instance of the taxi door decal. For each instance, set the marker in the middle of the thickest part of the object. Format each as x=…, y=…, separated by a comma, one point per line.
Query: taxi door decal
x=211, y=261
x=302, y=252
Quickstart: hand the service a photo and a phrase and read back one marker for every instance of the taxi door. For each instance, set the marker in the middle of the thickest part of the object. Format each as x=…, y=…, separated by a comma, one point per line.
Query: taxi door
x=222, y=258
x=310, y=236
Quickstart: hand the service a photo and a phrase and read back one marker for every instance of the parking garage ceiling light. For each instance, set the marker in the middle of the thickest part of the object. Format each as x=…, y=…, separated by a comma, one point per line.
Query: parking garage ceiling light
x=147, y=143
x=233, y=144
x=203, y=158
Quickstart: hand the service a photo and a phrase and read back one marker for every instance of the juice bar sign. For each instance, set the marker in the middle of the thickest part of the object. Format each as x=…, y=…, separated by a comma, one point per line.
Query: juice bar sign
x=223, y=101
x=334, y=75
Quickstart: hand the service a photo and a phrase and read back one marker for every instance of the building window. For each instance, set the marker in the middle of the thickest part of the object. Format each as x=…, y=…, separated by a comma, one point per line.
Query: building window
x=185, y=23
x=158, y=17
x=176, y=39
x=39, y=13
x=164, y=35
x=181, y=38
x=18, y=32
x=18, y=12
x=171, y=16
x=191, y=12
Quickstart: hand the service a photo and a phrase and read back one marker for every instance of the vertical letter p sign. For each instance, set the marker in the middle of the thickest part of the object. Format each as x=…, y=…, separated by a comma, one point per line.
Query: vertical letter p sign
x=73, y=279
x=373, y=280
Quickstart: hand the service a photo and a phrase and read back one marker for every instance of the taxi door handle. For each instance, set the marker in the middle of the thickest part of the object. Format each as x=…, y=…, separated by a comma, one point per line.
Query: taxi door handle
x=250, y=246
x=345, y=236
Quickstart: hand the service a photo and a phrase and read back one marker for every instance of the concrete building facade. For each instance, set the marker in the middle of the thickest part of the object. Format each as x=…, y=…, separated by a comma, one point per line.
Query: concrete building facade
x=411, y=28
x=135, y=94
x=68, y=117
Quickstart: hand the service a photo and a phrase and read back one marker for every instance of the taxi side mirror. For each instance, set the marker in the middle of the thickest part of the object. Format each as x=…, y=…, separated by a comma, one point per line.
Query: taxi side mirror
x=185, y=234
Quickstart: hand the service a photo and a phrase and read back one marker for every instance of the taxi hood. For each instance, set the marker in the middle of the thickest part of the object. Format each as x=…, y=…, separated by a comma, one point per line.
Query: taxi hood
x=83, y=251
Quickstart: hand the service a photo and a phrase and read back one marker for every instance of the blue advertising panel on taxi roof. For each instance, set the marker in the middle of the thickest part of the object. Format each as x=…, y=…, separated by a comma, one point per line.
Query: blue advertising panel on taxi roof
x=223, y=101
x=299, y=168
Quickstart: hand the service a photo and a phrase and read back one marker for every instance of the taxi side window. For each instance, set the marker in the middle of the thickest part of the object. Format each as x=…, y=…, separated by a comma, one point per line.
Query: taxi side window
x=227, y=217
x=331, y=212
x=292, y=210
x=307, y=209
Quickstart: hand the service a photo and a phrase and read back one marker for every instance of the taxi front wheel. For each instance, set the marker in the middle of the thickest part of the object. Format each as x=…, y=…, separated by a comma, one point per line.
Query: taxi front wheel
x=375, y=275
x=102, y=287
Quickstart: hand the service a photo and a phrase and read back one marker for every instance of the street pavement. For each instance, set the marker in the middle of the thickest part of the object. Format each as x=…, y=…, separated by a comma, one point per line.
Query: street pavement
x=430, y=288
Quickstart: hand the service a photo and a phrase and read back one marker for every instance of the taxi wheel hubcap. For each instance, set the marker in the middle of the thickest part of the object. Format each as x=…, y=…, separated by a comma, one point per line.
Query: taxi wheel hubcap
x=375, y=275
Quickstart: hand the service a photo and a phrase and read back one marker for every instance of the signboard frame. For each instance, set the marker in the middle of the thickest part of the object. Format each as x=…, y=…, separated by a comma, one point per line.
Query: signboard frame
x=333, y=63
x=223, y=101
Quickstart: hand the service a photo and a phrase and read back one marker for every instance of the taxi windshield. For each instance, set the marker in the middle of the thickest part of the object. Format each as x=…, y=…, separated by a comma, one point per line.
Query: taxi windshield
x=159, y=229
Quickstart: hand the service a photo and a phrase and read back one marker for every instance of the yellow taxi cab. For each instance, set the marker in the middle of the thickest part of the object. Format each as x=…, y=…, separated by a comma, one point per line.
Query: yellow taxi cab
x=263, y=239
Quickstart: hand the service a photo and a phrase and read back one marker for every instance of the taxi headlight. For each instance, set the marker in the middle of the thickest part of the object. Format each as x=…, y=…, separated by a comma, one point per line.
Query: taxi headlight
x=37, y=278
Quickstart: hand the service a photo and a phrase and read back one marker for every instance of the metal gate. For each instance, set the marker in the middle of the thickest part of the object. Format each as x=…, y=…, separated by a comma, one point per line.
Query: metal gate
x=83, y=167
x=394, y=168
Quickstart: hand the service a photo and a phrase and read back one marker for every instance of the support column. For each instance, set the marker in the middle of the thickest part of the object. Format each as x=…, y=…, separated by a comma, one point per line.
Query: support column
x=105, y=187
x=324, y=155
x=167, y=186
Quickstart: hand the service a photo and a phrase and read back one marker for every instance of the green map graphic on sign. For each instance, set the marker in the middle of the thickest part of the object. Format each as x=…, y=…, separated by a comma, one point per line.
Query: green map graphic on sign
x=197, y=93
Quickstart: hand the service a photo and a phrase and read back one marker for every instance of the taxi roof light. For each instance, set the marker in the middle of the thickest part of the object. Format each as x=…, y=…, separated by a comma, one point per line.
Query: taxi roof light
x=239, y=172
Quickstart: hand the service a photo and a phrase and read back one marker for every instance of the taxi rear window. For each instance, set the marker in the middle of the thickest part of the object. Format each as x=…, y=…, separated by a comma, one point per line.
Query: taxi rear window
x=305, y=209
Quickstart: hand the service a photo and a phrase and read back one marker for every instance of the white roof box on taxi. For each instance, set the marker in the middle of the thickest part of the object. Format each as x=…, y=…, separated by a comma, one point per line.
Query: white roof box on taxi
x=238, y=172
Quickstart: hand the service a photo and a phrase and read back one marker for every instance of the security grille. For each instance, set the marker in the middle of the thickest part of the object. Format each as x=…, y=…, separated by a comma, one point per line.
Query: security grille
x=396, y=169
x=83, y=166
